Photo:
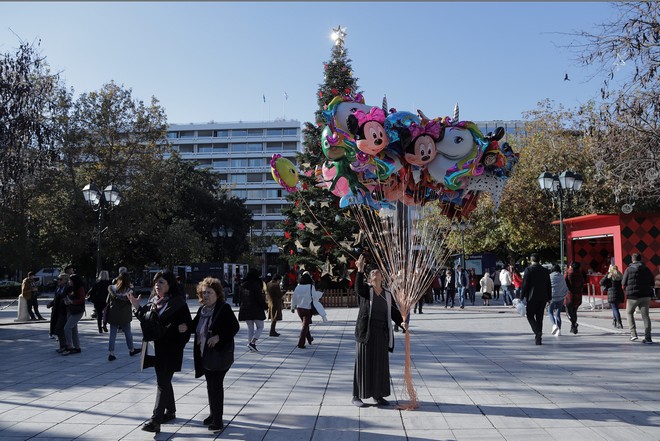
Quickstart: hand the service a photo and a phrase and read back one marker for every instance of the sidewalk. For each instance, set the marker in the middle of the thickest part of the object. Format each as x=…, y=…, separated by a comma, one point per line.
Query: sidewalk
x=477, y=373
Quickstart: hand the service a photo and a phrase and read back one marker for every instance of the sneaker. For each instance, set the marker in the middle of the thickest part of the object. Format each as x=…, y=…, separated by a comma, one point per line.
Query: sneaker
x=274, y=334
x=134, y=351
x=634, y=338
x=357, y=402
x=648, y=341
x=253, y=347
x=111, y=357
x=555, y=328
x=558, y=332
x=214, y=427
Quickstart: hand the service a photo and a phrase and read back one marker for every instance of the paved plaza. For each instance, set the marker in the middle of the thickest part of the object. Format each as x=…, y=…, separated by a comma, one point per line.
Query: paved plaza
x=477, y=373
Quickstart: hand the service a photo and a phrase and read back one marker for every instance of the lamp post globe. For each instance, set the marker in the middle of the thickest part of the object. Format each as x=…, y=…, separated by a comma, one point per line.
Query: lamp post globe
x=100, y=201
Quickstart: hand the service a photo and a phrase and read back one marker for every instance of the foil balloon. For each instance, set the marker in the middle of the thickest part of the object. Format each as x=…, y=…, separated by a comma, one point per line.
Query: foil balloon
x=335, y=145
x=284, y=172
x=330, y=177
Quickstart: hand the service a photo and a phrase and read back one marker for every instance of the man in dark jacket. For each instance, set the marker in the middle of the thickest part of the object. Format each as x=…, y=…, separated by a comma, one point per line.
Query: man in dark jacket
x=638, y=284
x=537, y=290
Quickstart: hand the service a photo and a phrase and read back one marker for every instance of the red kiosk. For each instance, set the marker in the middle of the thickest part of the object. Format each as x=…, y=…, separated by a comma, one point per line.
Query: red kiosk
x=597, y=240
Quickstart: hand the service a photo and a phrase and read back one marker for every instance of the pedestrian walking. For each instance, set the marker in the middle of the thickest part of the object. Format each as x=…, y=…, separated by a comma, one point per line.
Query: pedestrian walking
x=611, y=285
x=537, y=291
x=59, y=310
x=374, y=337
x=559, y=292
x=506, y=286
x=30, y=293
x=575, y=283
x=638, y=284
x=450, y=287
x=304, y=297
x=253, y=307
x=75, y=305
x=274, y=297
x=461, y=283
x=215, y=326
x=98, y=295
x=473, y=281
x=119, y=315
x=174, y=316
x=486, y=284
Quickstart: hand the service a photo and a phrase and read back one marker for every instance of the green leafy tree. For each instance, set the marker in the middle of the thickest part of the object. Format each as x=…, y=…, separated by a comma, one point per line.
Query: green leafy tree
x=30, y=95
x=314, y=219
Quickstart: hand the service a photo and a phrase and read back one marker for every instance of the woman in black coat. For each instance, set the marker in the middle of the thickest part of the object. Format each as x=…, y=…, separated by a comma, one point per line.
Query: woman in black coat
x=215, y=326
x=174, y=313
x=374, y=337
x=253, y=307
x=98, y=295
x=611, y=284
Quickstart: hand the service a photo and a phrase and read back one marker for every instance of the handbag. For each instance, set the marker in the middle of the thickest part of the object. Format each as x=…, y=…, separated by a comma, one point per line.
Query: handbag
x=218, y=360
x=314, y=311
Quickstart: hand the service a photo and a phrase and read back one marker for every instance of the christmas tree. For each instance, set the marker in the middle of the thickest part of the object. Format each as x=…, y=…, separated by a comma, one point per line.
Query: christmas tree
x=318, y=235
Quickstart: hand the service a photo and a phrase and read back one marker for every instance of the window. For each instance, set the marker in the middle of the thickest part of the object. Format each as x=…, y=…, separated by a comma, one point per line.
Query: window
x=274, y=209
x=239, y=133
x=222, y=177
x=255, y=194
x=204, y=148
x=255, y=146
x=222, y=133
x=255, y=132
x=274, y=132
x=258, y=162
x=289, y=145
x=273, y=193
x=255, y=177
x=204, y=133
x=220, y=163
x=290, y=131
x=255, y=209
x=238, y=178
x=239, y=147
x=238, y=162
x=220, y=148
x=242, y=194
x=186, y=148
x=172, y=135
x=272, y=225
x=187, y=134
x=273, y=146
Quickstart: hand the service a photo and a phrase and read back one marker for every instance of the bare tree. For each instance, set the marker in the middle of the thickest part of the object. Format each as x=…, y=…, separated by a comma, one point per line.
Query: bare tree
x=626, y=52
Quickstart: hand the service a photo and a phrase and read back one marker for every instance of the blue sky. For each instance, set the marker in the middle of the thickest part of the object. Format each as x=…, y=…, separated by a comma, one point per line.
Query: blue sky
x=214, y=60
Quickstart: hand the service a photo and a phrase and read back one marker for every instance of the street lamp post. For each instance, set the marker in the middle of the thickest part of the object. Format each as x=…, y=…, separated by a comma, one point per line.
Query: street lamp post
x=461, y=226
x=99, y=201
x=560, y=186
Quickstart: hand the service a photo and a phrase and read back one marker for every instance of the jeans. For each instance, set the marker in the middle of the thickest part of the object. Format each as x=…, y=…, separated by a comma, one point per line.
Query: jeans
x=126, y=328
x=33, y=305
x=449, y=297
x=472, y=293
x=507, y=294
x=252, y=334
x=71, y=330
x=615, y=312
x=643, y=305
x=554, y=312
x=461, y=296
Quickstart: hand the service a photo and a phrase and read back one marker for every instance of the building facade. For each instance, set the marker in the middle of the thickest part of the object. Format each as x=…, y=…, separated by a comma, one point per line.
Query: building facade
x=240, y=153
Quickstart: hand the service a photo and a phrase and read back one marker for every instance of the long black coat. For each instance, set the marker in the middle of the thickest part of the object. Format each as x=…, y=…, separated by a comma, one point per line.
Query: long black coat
x=363, y=292
x=536, y=285
x=253, y=301
x=223, y=324
x=169, y=348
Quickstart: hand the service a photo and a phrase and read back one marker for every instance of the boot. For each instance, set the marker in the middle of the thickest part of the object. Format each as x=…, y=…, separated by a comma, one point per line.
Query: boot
x=619, y=324
x=273, y=333
x=614, y=323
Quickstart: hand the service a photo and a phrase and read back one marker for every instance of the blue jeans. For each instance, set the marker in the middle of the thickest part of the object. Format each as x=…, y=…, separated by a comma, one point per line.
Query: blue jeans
x=507, y=294
x=615, y=311
x=126, y=328
x=461, y=295
x=554, y=312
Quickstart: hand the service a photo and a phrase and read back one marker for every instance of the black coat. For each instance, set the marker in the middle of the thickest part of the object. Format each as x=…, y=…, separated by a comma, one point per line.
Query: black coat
x=169, y=348
x=223, y=324
x=364, y=310
x=613, y=289
x=536, y=285
x=638, y=281
x=253, y=301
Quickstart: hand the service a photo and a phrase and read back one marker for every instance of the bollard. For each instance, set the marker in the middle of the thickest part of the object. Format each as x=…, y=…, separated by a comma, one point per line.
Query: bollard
x=23, y=315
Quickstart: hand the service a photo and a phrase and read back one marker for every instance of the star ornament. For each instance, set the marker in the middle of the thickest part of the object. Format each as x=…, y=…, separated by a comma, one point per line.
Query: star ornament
x=342, y=259
x=314, y=249
x=311, y=226
x=327, y=268
x=338, y=35
x=325, y=204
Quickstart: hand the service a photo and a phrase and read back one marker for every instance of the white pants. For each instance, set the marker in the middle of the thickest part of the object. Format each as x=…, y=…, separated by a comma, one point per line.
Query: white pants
x=252, y=334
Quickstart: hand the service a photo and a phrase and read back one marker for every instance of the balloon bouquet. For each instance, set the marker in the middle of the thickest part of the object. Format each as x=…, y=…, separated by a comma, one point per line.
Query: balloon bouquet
x=381, y=162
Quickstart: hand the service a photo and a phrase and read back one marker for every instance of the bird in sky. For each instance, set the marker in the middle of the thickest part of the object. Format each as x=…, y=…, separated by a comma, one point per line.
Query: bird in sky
x=566, y=78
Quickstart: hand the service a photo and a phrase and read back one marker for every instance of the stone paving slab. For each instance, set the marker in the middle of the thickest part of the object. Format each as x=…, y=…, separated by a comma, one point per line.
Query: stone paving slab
x=477, y=374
